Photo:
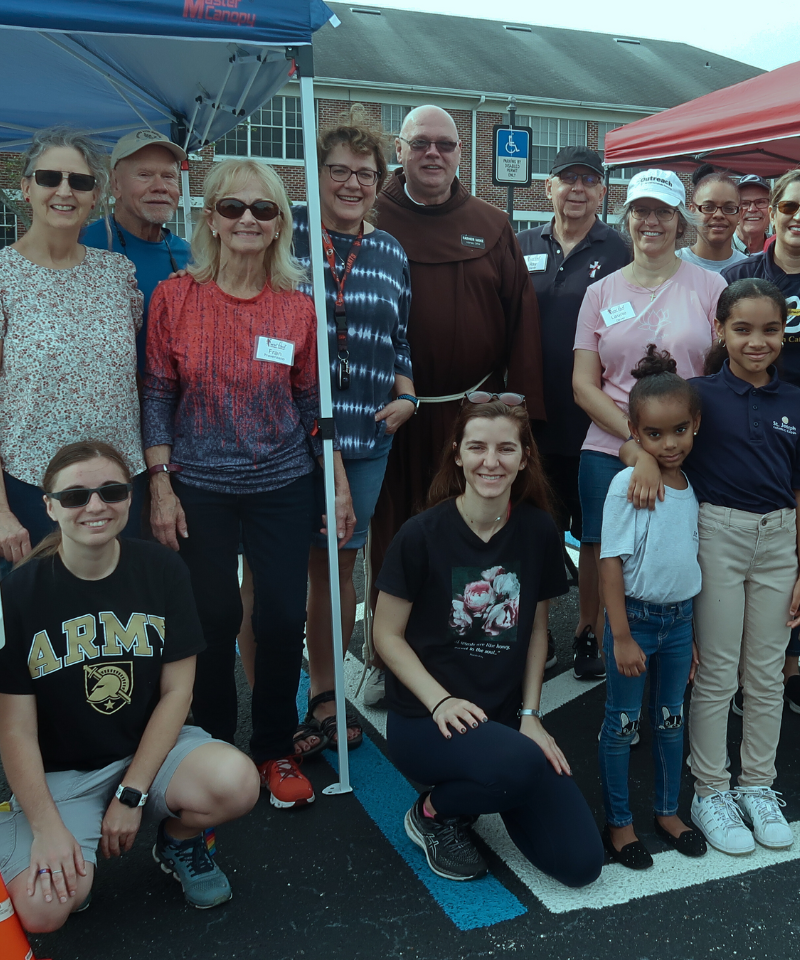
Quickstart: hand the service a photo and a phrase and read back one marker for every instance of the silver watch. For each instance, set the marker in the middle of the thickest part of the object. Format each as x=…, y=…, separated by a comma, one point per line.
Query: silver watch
x=529, y=713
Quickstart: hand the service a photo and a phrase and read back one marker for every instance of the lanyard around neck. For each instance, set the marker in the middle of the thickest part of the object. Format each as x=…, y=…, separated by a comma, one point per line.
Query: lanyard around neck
x=164, y=237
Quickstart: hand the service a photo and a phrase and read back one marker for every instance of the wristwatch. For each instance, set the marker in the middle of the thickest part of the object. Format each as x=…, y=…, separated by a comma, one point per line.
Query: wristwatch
x=529, y=713
x=130, y=797
x=164, y=468
x=408, y=396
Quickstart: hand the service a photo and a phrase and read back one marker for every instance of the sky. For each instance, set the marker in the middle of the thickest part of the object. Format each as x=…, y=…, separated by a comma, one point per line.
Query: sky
x=768, y=43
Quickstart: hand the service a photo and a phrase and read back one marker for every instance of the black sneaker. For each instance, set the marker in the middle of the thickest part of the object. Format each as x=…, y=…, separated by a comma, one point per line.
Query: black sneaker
x=447, y=844
x=791, y=693
x=737, y=702
x=587, y=664
x=552, y=659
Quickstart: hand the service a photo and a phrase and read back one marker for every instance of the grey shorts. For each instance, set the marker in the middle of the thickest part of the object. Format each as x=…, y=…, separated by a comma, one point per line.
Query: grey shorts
x=82, y=798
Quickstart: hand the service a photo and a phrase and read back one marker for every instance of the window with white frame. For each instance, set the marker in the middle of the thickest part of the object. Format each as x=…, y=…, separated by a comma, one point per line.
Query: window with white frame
x=621, y=173
x=392, y=117
x=8, y=226
x=549, y=135
x=273, y=132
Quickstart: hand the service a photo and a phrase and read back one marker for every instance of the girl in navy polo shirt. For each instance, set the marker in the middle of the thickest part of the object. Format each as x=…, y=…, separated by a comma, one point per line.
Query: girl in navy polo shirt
x=745, y=472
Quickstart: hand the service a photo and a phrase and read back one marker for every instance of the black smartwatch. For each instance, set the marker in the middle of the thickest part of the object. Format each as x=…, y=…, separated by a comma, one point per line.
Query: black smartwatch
x=130, y=797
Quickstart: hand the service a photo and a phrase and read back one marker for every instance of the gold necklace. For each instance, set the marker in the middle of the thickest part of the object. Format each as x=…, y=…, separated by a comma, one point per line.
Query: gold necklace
x=654, y=290
x=472, y=522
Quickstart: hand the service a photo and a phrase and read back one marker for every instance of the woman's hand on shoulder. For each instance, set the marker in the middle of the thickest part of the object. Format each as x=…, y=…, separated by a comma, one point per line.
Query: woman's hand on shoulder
x=532, y=728
x=459, y=714
x=15, y=541
x=395, y=414
x=646, y=484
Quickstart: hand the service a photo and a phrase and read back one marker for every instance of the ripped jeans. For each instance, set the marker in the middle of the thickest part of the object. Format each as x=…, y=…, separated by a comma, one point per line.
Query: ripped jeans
x=664, y=632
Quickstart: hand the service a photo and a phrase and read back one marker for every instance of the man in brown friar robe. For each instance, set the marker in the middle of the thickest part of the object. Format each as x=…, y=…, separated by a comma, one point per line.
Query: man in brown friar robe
x=474, y=319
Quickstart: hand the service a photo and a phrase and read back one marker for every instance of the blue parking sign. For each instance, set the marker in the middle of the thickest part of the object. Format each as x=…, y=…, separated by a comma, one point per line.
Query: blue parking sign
x=512, y=155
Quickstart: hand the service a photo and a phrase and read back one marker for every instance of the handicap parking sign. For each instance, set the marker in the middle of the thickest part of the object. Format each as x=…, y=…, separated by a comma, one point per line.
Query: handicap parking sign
x=512, y=156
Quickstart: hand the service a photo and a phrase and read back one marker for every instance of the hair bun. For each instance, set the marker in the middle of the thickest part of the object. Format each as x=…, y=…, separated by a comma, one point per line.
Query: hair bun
x=701, y=173
x=653, y=363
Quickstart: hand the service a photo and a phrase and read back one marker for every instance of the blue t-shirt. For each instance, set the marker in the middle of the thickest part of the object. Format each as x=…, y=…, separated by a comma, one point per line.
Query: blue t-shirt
x=745, y=455
x=152, y=261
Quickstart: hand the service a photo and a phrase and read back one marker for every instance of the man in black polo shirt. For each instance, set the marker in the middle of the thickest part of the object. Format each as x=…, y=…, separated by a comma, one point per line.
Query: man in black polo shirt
x=563, y=257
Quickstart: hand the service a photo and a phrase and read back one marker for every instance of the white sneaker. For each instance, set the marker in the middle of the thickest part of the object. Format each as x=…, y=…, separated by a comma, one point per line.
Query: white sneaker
x=375, y=688
x=761, y=806
x=721, y=823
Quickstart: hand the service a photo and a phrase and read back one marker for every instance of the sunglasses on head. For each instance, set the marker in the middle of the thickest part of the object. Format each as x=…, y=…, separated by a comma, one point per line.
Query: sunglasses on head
x=483, y=396
x=80, y=496
x=82, y=182
x=789, y=207
x=233, y=209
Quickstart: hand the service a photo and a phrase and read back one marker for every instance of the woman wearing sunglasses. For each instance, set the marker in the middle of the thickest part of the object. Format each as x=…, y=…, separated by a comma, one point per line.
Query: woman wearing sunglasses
x=368, y=293
x=715, y=203
x=230, y=407
x=780, y=263
x=102, y=632
x=68, y=321
x=461, y=628
x=658, y=298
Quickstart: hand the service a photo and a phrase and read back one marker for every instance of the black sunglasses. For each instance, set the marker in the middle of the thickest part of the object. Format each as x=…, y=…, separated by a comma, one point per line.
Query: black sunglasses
x=80, y=496
x=443, y=146
x=483, y=396
x=83, y=182
x=233, y=209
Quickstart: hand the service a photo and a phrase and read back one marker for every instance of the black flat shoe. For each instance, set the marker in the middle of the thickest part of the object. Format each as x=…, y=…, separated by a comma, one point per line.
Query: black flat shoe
x=633, y=855
x=691, y=843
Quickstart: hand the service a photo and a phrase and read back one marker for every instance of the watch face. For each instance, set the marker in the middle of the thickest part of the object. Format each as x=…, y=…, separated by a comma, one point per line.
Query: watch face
x=130, y=797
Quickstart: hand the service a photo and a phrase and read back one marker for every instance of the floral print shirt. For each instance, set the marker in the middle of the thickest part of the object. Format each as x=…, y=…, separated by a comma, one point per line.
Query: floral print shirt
x=68, y=369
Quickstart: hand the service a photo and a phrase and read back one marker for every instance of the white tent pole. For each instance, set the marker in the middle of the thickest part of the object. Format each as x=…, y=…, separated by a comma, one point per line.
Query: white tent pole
x=326, y=409
x=186, y=201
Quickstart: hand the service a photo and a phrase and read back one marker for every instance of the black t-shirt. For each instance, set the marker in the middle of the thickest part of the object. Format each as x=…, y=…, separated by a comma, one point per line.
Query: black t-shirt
x=473, y=602
x=91, y=651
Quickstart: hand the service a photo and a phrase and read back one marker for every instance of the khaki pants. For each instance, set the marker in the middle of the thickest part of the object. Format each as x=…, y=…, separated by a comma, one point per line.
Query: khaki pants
x=749, y=565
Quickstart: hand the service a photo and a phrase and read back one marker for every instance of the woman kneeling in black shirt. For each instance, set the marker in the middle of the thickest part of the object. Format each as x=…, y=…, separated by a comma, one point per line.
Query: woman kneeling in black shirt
x=95, y=683
x=460, y=627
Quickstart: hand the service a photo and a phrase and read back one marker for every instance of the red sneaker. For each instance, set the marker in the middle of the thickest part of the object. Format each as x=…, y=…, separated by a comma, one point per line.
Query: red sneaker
x=287, y=786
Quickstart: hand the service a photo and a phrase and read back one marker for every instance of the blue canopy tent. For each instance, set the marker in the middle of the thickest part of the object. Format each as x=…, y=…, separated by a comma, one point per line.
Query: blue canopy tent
x=191, y=69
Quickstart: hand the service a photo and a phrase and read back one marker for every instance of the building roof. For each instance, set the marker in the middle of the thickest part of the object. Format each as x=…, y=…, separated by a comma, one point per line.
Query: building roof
x=408, y=48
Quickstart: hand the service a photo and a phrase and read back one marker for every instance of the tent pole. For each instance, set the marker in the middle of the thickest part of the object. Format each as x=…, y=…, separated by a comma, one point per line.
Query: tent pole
x=303, y=57
x=186, y=200
x=605, y=196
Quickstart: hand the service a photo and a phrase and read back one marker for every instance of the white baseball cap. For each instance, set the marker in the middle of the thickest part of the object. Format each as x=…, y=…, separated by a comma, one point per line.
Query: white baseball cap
x=663, y=185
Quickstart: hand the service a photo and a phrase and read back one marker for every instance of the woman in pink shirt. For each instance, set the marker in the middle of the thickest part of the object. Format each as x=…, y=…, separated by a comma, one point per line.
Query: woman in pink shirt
x=657, y=298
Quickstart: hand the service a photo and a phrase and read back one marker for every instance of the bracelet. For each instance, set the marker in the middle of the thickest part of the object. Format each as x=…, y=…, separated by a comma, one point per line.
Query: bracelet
x=164, y=468
x=407, y=396
x=451, y=697
x=529, y=713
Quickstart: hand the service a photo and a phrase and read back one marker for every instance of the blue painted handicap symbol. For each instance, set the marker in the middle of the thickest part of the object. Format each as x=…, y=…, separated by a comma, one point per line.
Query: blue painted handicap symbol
x=513, y=143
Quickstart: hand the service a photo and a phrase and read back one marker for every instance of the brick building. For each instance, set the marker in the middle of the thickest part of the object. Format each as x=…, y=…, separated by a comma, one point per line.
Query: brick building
x=570, y=87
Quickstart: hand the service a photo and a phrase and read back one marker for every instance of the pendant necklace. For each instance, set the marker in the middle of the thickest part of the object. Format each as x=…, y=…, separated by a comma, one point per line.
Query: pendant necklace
x=654, y=290
x=496, y=520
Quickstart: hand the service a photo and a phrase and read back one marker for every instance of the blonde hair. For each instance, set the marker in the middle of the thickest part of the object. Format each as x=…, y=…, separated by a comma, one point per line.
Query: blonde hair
x=283, y=270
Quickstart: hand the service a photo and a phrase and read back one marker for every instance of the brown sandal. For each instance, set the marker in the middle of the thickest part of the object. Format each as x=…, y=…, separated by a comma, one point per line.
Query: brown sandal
x=328, y=724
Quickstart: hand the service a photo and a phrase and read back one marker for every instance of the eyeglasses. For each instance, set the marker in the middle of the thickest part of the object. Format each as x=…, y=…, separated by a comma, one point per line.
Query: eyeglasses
x=483, y=396
x=663, y=214
x=421, y=145
x=789, y=207
x=588, y=179
x=709, y=208
x=762, y=203
x=82, y=182
x=233, y=209
x=341, y=174
x=80, y=496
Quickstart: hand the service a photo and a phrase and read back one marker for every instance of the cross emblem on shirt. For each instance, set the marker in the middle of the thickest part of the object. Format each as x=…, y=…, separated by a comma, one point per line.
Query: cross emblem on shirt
x=593, y=268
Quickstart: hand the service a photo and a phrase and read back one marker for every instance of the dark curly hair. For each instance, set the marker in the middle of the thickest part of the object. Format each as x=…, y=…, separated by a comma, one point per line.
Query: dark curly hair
x=749, y=288
x=656, y=377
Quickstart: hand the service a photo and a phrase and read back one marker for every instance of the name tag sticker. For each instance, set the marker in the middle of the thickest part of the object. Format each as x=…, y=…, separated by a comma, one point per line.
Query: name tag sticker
x=274, y=351
x=536, y=262
x=468, y=240
x=622, y=311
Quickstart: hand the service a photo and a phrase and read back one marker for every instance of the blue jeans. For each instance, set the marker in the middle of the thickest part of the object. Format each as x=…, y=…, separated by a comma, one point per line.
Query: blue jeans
x=595, y=473
x=664, y=632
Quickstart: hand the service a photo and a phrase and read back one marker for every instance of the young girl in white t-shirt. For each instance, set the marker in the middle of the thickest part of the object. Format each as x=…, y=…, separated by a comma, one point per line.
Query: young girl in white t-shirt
x=649, y=572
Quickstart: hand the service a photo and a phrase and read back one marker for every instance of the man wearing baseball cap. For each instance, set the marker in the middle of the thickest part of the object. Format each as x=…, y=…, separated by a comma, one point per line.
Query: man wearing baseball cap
x=145, y=182
x=753, y=226
x=564, y=256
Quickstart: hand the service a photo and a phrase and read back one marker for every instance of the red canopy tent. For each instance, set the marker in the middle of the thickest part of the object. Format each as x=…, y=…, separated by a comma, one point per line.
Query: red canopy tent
x=751, y=127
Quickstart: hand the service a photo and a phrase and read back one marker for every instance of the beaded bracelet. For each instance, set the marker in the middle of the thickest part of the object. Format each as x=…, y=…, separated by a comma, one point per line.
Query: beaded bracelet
x=451, y=697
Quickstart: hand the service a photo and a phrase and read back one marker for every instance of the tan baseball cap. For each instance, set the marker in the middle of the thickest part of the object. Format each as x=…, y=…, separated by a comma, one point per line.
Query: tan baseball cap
x=133, y=142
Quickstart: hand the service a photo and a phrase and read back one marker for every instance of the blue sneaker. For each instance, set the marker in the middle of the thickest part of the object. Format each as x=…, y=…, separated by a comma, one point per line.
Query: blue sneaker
x=204, y=884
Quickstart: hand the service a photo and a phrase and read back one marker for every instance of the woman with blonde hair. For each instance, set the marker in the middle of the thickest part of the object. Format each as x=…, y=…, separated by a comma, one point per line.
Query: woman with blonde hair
x=230, y=408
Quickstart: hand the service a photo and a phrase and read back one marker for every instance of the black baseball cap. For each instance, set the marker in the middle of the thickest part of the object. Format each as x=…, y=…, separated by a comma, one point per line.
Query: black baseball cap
x=575, y=157
x=753, y=180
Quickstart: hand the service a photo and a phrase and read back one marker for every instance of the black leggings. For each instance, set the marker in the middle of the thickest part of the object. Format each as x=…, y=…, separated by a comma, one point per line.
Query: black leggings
x=496, y=769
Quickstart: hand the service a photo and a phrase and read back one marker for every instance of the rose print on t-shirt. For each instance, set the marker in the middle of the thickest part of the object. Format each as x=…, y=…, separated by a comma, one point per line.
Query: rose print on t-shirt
x=485, y=609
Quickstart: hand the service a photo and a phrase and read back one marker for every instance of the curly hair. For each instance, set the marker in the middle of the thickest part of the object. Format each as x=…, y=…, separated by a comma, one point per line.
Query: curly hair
x=656, y=376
